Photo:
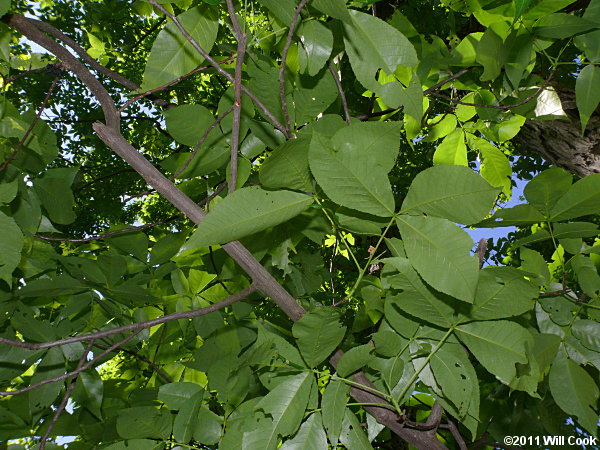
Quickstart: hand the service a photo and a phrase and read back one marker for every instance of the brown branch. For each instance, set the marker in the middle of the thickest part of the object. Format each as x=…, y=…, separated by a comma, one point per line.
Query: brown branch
x=136, y=327
x=237, y=103
x=434, y=419
x=65, y=398
x=263, y=279
x=341, y=92
x=286, y=49
x=480, y=251
x=220, y=70
x=170, y=83
x=151, y=364
x=31, y=126
x=456, y=434
x=71, y=374
x=27, y=27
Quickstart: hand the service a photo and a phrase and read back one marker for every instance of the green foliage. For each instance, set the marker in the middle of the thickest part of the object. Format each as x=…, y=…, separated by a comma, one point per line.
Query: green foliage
x=366, y=306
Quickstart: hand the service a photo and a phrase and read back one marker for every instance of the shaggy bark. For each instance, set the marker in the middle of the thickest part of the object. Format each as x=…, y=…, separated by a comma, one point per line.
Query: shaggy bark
x=561, y=142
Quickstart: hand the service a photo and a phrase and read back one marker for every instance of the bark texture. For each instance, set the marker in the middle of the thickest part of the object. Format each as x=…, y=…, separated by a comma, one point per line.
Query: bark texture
x=561, y=142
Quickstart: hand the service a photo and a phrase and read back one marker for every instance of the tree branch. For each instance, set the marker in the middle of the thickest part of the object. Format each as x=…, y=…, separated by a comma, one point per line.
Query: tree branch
x=71, y=374
x=65, y=398
x=286, y=49
x=220, y=70
x=341, y=92
x=27, y=27
x=237, y=103
x=138, y=326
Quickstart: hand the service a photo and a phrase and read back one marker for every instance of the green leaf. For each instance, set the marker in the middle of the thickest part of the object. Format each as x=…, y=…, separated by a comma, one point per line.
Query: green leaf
x=54, y=191
x=440, y=127
x=144, y=422
x=89, y=392
x=372, y=44
x=586, y=93
x=207, y=429
x=286, y=405
x=287, y=167
x=547, y=188
x=187, y=417
x=452, y=150
x=454, y=376
x=188, y=123
x=4, y=7
x=451, y=192
x=177, y=395
x=502, y=292
x=390, y=369
x=561, y=25
x=498, y=345
x=11, y=244
x=334, y=8
x=354, y=359
x=283, y=10
x=333, y=406
x=311, y=436
x=172, y=55
x=587, y=275
x=8, y=191
x=495, y=167
x=575, y=391
x=352, y=168
x=519, y=215
x=440, y=252
x=318, y=333
x=583, y=198
x=316, y=44
x=490, y=54
x=521, y=7
x=247, y=211
x=588, y=333
x=352, y=435
x=52, y=365
x=418, y=300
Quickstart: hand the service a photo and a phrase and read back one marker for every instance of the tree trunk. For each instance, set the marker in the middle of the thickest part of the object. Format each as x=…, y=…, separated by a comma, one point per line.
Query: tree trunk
x=560, y=141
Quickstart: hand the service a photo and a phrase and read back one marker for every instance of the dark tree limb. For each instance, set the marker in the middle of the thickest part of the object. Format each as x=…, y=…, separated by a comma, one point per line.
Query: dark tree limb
x=136, y=327
x=71, y=374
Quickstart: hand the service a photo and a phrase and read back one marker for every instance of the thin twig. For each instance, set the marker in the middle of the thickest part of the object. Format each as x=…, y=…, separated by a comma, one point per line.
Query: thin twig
x=237, y=103
x=428, y=91
x=103, y=177
x=32, y=125
x=75, y=372
x=341, y=92
x=148, y=32
x=65, y=399
x=457, y=437
x=28, y=72
x=286, y=49
x=220, y=70
x=501, y=107
x=170, y=83
x=137, y=327
x=151, y=364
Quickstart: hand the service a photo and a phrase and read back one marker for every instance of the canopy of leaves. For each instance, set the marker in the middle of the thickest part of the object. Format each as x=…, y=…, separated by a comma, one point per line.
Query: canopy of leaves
x=246, y=224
